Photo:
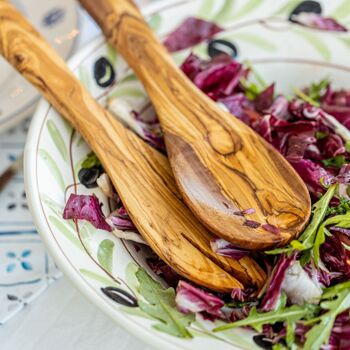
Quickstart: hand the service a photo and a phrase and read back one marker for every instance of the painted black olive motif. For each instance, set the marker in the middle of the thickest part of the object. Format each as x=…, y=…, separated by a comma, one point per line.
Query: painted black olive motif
x=120, y=296
x=306, y=6
x=104, y=72
x=263, y=342
x=220, y=46
x=88, y=177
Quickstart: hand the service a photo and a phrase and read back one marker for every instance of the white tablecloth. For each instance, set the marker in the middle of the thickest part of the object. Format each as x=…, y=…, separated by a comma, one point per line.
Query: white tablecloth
x=61, y=318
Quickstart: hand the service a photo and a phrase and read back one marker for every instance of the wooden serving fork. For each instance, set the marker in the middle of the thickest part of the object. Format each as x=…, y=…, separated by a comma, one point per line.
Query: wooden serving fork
x=221, y=166
x=140, y=174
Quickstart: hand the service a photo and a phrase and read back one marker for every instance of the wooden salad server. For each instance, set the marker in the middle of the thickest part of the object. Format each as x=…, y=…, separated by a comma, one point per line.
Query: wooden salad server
x=221, y=166
x=140, y=174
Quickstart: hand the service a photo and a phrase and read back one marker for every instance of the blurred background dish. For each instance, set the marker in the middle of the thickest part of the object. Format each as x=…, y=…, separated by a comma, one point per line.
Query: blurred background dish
x=57, y=21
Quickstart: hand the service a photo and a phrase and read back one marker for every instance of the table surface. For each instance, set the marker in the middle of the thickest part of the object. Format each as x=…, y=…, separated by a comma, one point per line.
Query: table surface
x=61, y=317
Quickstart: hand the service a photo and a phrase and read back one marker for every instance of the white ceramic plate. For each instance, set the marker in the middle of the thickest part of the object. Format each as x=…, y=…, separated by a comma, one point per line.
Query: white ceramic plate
x=281, y=51
x=57, y=20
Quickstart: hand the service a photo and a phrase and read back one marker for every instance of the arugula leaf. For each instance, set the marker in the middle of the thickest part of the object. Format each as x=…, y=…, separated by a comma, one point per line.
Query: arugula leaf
x=335, y=162
x=342, y=221
x=251, y=89
x=302, y=95
x=316, y=90
x=332, y=292
x=342, y=208
x=256, y=75
x=347, y=146
x=320, y=333
x=290, y=336
x=309, y=237
x=258, y=319
x=160, y=304
x=320, y=135
x=90, y=161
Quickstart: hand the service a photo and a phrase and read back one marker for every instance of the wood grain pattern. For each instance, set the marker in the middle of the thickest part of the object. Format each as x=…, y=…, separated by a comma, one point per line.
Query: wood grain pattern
x=141, y=175
x=221, y=165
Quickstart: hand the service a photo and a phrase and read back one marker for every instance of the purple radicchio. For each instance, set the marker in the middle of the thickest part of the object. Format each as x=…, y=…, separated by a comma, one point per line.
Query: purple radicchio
x=273, y=292
x=190, y=299
x=264, y=100
x=190, y=33
x=84, y=207
x=317, y=21
x=160, y=268
x=218, y=78
x=340, y=336
x=337, y=103
x=224, y=248
x=336, y=257
x=120, y=220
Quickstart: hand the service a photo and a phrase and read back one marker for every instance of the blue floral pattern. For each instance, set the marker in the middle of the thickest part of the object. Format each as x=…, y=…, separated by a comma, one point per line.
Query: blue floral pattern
x=26, y=270
x=25, y=264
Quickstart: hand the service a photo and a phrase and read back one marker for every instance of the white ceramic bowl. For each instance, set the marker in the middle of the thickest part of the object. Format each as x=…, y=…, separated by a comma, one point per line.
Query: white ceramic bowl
x=280, y=51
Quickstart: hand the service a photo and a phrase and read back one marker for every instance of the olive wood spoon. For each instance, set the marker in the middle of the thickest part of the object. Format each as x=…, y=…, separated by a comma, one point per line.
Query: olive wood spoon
x=221, y=166
x=141, y=175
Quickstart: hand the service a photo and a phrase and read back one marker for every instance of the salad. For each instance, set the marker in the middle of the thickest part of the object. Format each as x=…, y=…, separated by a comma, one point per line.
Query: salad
x=306, y=298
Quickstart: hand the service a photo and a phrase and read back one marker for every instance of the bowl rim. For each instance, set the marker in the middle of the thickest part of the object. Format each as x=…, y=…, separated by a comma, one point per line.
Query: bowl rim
x=145, y=335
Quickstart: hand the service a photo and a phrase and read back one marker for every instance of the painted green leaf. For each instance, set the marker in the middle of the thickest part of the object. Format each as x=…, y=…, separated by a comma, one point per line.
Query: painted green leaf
x=67, y=231
x=287, y=8
x=86, y=233
x=342, y=11
x=80, y=141
x=51, y=164
x=226, y=11
x=112, y=55
x=201, y=51
x=130, y=277
x=254, y=39
x=84, y=76
x=135, y=311
x=206, y=9
x=248, y=6
x=127, y=78
x=57, y=139
x=316, y=42
x=54, y=206
x=155, y=22
x=105, y=254
x=160, y=304
x=104, y=280
x=67, y=126
x=128, y=91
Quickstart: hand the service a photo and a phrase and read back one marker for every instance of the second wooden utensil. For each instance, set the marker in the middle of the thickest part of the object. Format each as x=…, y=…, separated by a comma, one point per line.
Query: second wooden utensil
x=221, y=166
x=140, y=174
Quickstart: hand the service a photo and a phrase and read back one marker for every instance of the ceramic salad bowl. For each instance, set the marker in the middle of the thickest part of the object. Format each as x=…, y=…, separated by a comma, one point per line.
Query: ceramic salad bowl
x=105, y=268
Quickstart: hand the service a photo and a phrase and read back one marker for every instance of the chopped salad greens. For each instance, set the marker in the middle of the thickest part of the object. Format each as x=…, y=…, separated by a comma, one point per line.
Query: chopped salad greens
x=306, y=300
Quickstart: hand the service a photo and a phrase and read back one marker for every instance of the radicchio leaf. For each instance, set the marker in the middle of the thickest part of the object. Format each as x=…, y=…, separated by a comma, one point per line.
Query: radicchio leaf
x=190, y=33
x=84, y=207
x=273, y=292
x=224, y=248
x=314, y=20
x=190, y=299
